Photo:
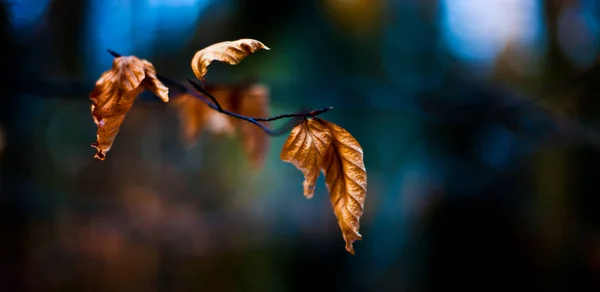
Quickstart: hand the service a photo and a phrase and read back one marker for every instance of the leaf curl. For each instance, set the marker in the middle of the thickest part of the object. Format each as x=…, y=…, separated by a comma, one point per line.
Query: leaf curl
x=317, y=145
x=114, y=95
x=230, y=52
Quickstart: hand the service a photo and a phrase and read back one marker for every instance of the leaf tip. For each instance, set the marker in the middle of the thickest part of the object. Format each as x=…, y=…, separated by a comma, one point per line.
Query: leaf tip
x=309, y=189
x=350, y=242
x=100, y=154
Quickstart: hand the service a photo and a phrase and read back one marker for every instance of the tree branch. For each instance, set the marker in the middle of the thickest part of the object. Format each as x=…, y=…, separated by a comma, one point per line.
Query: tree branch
x=214, y=104
x=253, y=120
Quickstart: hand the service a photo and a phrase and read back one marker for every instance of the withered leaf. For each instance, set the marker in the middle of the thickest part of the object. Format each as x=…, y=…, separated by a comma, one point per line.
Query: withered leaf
x=192, y=114
x=305, y=148
x=255, y=143
x=317, y=145
x=114, y=94
x=195, y=115
x=230, y=52
x=249, y=99
x=217, y=123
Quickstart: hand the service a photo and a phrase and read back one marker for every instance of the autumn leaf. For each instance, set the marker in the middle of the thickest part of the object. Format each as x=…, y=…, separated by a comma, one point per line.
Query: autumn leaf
x=195, y=116
x=230, y=52
x=114, y=94
x=218, y=123
x=192, y=114
x=317, y=145
x=255, y=143
x=247, y=99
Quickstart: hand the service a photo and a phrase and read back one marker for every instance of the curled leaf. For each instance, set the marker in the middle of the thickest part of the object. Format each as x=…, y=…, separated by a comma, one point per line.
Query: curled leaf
x=255, y=143
x=114, y=94
x=230, y=52
x=317, y=145
x=305, y=148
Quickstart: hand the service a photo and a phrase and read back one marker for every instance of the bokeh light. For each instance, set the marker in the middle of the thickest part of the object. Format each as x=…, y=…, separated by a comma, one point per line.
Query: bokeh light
x=132, y=26
x=477, y=31
x=578, y=34
x=26, y=13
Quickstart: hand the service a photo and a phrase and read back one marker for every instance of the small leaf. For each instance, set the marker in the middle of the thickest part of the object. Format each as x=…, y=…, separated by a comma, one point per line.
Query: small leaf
x=317, y=145
x=255, y=143
x=305, y=148
x=114, y=94
x=248, y=99
x=230, y=52
x=192, y=117
x=216, y=122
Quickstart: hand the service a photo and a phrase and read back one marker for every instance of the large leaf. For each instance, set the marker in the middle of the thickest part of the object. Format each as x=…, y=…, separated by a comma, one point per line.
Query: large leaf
x=317, y=145
x=114, y=94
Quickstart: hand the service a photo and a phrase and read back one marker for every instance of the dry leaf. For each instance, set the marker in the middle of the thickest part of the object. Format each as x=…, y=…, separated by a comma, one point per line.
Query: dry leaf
x=246, y=99
x=192, y=114
x=230, y=52
x=317, y=145
x=218, y=123
x=114, y=94
x=195, y=115
x=255, y=142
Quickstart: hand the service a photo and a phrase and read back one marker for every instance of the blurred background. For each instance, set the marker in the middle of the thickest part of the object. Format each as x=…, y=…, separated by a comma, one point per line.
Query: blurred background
x=478, y=119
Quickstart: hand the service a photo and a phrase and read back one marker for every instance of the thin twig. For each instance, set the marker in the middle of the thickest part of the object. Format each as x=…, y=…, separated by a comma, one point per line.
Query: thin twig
x=254, y=120
x=214, y=104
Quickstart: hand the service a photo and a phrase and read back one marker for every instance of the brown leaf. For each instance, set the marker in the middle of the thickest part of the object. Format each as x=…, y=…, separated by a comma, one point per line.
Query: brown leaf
x=114, y=94
x=230, y=52
x=192, y=114
x=255, y=142
x=218, y=123
x=195, y=115
x=317, y=145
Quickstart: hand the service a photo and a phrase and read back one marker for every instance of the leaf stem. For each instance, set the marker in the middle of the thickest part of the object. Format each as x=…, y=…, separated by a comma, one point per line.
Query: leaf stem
x=214, y=104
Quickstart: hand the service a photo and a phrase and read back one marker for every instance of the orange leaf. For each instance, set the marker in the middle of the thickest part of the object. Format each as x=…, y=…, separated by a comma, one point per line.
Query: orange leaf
x=317, y=145
x=114, y=94
x=255, y=142
x=230, y=52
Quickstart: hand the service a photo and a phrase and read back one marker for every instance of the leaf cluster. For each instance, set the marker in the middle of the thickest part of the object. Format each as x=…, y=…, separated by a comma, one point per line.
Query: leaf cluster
x=314, y=145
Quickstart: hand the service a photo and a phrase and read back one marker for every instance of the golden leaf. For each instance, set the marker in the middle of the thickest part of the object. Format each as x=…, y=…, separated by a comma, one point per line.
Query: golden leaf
x=317, y=145
x=114, y=94
x=305, y=148
x=230, y=52
x=255, y=142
